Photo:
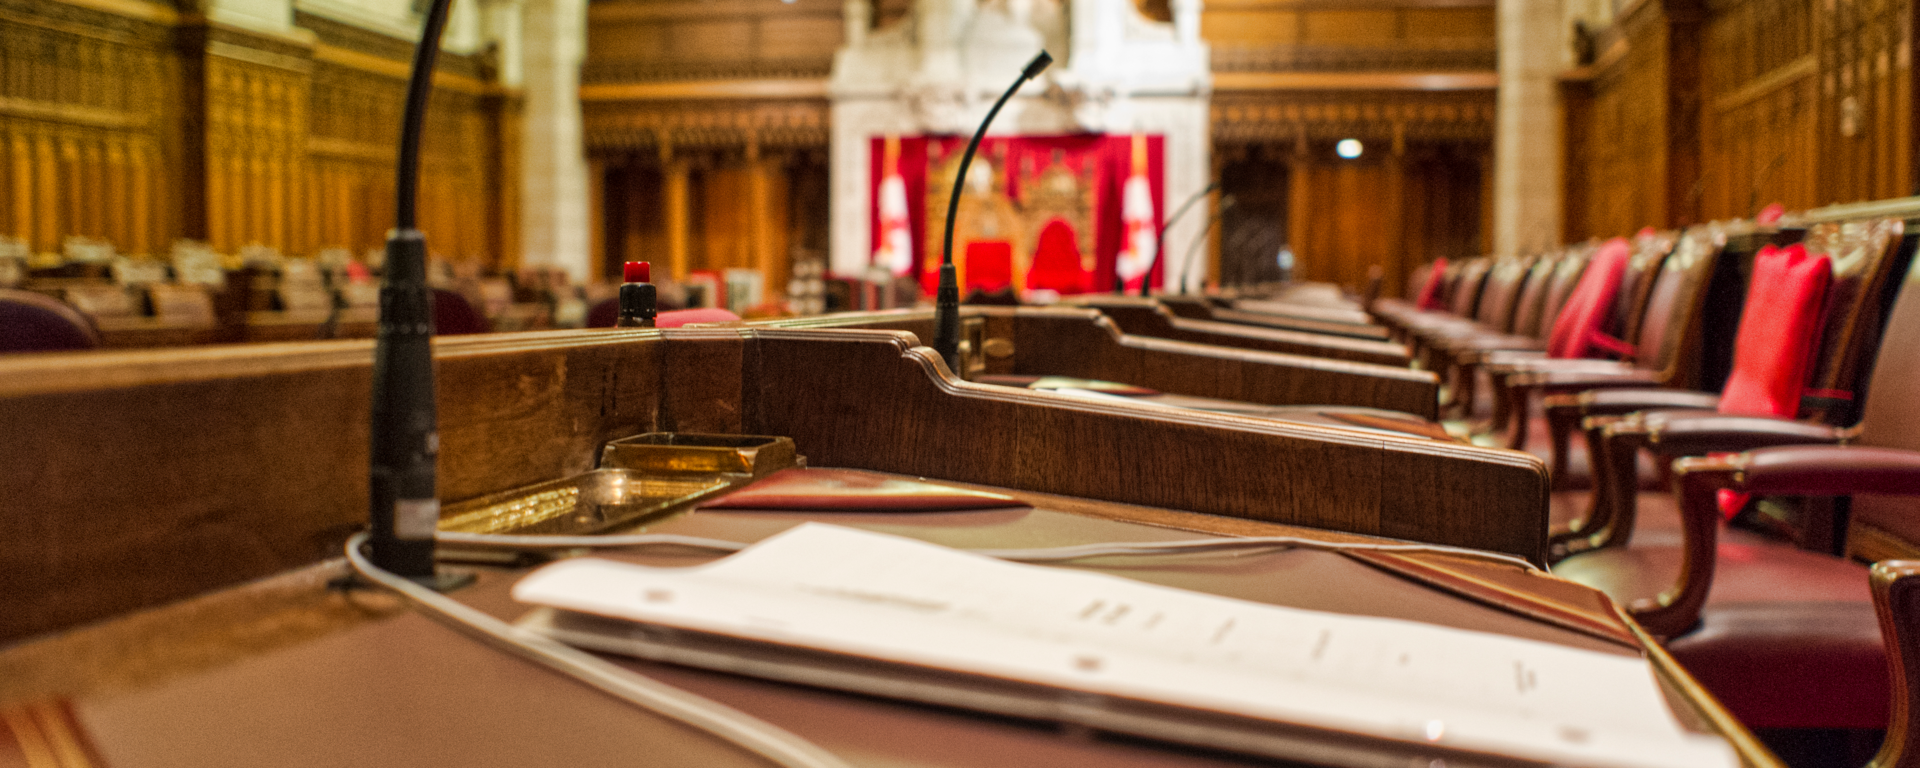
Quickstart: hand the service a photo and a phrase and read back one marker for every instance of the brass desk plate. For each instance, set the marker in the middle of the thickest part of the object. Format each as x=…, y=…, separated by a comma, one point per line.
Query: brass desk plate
x=687, y=453
x=639, y=477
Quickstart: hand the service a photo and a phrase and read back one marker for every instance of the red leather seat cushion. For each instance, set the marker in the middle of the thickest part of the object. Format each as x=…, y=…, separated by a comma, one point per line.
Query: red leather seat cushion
x=1430, y=293
x=1778, y=330
x=1788, y=638
x=1802, y=664
x=1579, y=323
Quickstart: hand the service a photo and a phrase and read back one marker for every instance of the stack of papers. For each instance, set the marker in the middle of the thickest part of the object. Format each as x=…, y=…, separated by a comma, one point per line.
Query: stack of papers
x=1298, y=683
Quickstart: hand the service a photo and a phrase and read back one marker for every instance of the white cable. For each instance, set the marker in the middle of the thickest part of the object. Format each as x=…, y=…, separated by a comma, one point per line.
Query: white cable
x=743, y=730
x=1039, y=555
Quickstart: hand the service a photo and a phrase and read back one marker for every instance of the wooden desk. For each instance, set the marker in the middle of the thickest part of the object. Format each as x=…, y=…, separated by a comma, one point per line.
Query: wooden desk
x=285, y=672
x=1147, y=317
x=131, y=463
x=1084, y=343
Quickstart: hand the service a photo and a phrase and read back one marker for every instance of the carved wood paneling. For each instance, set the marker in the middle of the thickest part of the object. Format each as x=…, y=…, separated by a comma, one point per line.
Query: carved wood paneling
x=83, y=125
x=1865, y=113
x=1284, y=116
x=1799, y=102
x=1759, y=74
x=1619, y=131
x=142, y=130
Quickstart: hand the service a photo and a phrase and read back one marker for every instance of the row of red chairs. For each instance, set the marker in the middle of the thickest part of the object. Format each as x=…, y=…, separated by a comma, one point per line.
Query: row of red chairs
x=1622, y=337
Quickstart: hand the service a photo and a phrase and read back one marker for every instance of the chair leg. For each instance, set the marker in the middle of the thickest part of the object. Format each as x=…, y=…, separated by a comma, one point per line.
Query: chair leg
x=1519, y=412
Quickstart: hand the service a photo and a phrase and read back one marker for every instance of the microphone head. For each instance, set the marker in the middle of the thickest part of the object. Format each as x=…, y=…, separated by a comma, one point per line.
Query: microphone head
x=1035, y=67
x=638, y=272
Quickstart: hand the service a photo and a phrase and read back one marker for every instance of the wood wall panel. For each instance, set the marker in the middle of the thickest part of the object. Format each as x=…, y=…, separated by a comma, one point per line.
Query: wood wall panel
x=139, y=131
x=1865, y=124
x=1392, y=210
x=1619, y=145
x=83, y=121
x=1798, y=102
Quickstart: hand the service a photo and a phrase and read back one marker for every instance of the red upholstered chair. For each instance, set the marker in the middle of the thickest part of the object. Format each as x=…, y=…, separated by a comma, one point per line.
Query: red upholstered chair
x=989, y=265
x=453, y=315
x=1785, y=637
x=1666, y=347
x=1779, y=328
x=1056, y=261
x=1430, y=294
x=1862, y=254
x=30, y=322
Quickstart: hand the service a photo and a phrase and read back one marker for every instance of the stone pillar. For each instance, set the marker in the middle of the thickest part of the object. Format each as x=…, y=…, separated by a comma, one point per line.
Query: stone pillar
x=675, y=192
x=759, y=229
x=553, y=166
x=1528, y=140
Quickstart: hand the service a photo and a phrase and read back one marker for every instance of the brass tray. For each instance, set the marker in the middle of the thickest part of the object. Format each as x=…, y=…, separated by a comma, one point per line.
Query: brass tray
x=639, y=477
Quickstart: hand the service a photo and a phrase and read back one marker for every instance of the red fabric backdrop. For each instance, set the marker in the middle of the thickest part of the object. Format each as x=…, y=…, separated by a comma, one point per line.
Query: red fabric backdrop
x=1111, y=156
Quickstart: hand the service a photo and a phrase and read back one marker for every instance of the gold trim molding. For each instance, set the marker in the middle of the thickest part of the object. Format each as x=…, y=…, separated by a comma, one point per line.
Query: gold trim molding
x=1781, y=76
x=367, y=62
x=1356, y=81
x=707, y=89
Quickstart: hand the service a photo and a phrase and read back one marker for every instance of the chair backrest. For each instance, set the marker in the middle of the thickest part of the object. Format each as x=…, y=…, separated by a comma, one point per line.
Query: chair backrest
x=1580, y=322
x=1865, y=256
x=1530, y=304
x=453, y=315
x=1430, y=292
x=1501, y=291
x=30, y=322
x=1670, y=325
x=1779, y=327
x=1560, y=288
x=1465, y=292
x=1650, y=250
x=1417, y=282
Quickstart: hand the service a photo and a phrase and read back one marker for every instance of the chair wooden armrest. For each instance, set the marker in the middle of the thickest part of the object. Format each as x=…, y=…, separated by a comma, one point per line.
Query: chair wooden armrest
x=1896, y=598
x=1813, y=470
x=1515, y=390
x=1566, y=411
x=1614, y=441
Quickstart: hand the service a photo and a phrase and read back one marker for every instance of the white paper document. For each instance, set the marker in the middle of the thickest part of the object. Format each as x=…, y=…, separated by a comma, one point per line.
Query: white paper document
x=848, y=591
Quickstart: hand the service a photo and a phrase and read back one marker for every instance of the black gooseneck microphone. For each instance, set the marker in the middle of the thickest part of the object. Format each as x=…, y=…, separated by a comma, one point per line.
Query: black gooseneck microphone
x=1226, y=201
x=404, y=509
x=946, y=299
x=1160, y=243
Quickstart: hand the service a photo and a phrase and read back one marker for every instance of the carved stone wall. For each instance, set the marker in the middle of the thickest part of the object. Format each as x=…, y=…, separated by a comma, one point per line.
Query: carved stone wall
x=134, y=123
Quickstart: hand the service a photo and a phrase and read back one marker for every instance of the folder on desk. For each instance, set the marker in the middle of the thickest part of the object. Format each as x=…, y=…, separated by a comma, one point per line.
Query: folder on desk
x=880, y=615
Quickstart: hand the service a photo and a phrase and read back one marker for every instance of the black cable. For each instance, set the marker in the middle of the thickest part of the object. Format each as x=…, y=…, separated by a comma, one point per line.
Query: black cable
x=1160, y=243
x=403, y=506
x=946, y=298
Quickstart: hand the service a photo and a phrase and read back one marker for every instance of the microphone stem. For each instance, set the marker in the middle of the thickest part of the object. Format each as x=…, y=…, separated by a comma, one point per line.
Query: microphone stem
x=946, y=298
x=404, y=507
x=1160, y=243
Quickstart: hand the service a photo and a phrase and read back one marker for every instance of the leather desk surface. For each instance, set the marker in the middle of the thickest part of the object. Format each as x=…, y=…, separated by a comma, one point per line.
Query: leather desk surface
x=300, y=676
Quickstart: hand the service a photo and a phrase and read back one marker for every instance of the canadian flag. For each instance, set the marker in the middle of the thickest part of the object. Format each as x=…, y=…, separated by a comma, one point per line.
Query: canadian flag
x=1139, y=245
x=894, y=248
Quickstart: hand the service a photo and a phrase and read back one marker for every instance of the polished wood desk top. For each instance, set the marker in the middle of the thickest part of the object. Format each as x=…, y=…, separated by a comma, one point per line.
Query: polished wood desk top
x=286, y=672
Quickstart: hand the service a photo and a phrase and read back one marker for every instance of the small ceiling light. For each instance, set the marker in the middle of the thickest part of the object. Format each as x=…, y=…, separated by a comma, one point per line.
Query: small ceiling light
x=1348, y=148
